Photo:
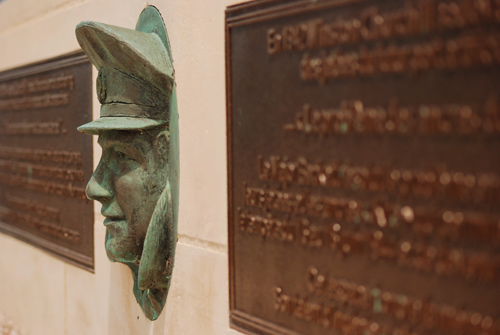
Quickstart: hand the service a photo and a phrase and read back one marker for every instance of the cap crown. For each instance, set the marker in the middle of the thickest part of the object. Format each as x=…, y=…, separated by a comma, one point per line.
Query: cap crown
x=135, y=78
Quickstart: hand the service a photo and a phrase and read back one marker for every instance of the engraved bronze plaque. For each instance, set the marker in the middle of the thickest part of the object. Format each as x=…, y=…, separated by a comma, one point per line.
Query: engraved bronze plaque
x=44, y=161
x=364, y=167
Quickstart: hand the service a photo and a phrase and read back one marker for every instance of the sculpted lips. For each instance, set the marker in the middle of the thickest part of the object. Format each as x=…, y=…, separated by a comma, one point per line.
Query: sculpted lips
x=112, y=222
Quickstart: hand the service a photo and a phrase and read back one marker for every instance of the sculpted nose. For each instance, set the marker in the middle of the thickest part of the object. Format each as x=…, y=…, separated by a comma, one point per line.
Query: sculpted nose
x=97, y=191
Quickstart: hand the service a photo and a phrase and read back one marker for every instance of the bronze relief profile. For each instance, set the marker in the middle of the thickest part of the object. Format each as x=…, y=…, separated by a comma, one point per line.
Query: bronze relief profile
x=136, y=180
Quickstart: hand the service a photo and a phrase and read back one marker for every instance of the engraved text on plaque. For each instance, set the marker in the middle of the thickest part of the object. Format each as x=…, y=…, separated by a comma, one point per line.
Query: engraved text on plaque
x=364, y=167
x=44, y=161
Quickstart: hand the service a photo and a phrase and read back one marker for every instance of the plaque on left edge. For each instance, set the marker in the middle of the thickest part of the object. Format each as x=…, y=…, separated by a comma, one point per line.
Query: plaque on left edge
x=44, y=161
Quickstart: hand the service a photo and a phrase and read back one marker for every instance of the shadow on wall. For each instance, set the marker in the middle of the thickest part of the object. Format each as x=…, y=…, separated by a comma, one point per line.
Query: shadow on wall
x=125, y=315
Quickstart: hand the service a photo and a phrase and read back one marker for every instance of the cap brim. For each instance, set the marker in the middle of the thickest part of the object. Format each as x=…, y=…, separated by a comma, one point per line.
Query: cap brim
x=119, y=123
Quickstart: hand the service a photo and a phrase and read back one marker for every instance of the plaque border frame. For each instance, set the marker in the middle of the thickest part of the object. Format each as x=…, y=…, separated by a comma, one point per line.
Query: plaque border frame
x=239, y=15
x=54, y=249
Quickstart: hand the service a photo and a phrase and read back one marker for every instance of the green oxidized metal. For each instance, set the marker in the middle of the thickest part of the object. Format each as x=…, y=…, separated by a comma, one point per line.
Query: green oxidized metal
x=137, y=179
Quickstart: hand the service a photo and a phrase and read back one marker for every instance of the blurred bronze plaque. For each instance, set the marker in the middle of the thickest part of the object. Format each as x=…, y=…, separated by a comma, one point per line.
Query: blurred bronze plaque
x=44, y=161
x=364, y=167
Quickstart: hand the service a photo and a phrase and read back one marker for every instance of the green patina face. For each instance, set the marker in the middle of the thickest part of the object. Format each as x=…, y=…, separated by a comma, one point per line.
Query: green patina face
x=131, y=182
x=137, y=178
x=128, y=182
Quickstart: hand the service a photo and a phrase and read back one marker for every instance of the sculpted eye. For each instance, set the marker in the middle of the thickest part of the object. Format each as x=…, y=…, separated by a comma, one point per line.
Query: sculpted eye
x=123, y=157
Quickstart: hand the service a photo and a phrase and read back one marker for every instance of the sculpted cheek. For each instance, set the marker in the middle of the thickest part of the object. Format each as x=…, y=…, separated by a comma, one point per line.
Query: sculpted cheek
x=129, y=188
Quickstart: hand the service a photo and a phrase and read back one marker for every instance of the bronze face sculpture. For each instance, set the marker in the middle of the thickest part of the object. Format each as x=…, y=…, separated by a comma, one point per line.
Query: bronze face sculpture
x=136, y=180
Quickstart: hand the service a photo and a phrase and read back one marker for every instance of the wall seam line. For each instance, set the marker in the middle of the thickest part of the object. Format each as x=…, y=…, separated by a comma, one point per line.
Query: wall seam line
x=202, y=244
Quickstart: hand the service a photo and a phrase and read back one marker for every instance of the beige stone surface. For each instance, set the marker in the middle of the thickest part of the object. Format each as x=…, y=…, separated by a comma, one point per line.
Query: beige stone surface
x=197, y=37
x=198, y=301
x=32, y=288
x=82, y=316
x=15, y=13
